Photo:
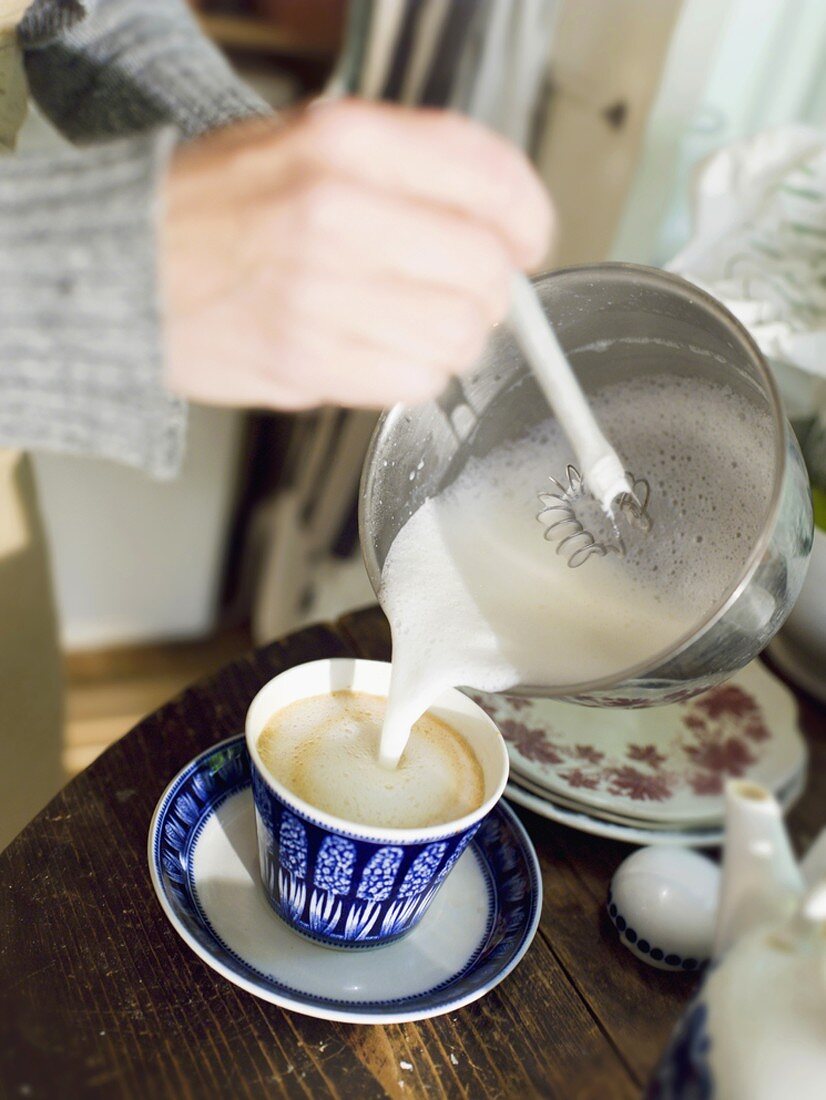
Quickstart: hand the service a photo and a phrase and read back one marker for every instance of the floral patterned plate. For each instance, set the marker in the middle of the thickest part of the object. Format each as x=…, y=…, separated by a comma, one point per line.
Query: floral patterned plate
x=784, y=794
x=203, y=860
x=661, y=764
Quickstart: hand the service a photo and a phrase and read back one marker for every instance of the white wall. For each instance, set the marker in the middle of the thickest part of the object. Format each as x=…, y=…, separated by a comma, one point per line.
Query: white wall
x=136, y=560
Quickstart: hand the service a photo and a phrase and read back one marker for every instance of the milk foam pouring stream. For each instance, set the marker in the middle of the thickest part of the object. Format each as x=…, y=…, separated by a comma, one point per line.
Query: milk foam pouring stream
x=476, y=597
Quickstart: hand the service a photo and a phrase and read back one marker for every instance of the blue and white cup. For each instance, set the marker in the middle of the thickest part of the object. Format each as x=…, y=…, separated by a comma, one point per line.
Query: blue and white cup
x=347, y=885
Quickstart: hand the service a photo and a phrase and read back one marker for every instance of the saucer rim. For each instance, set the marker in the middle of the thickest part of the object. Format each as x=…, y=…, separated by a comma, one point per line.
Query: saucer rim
x=340, y=1013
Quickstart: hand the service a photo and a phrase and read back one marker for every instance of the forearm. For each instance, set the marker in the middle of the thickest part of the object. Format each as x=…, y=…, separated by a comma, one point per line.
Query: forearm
x=80, y=344
x=127, y=66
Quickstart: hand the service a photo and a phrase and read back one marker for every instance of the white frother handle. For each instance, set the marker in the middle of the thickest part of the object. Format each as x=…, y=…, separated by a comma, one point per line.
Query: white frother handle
x=601, y=467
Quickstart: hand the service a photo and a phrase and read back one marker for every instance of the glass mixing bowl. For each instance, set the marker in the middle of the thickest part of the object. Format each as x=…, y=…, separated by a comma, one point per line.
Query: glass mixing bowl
x=652, y=321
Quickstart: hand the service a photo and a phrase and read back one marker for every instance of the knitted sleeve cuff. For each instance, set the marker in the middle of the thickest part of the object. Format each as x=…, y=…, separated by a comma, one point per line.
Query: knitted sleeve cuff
x=130, y=66
x=80, y=326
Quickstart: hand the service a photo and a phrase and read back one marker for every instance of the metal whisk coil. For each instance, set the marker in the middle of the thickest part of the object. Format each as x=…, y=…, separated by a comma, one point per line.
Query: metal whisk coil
x=563, y=527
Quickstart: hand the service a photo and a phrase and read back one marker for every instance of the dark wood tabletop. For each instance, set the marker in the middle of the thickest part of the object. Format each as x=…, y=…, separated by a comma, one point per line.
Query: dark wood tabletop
x=99, y=996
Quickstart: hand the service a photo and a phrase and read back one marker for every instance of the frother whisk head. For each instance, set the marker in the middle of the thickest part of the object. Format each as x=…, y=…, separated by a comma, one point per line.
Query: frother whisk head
x=580, y=527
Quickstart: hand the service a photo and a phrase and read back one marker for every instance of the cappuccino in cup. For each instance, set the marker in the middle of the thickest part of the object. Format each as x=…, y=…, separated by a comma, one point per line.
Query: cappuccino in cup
x=325, y=750
x=352, y=853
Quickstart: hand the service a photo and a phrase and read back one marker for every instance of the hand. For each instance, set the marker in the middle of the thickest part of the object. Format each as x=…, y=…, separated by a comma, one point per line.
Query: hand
x=357, y=254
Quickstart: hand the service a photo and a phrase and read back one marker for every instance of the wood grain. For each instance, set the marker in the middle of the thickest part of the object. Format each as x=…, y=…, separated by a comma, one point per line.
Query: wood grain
x=100, y=998
x=109, y=691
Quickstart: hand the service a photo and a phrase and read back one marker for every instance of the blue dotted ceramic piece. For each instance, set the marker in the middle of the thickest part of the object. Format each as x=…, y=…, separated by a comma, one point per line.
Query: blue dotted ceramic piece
x=663, y=903
x=202, y=839
x=668, y=960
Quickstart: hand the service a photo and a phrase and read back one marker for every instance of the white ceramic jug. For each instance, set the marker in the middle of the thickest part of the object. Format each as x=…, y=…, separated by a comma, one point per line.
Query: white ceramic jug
x=757, y=1027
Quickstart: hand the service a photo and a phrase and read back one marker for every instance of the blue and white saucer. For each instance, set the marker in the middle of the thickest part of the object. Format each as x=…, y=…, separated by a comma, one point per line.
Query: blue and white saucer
x=203, y=860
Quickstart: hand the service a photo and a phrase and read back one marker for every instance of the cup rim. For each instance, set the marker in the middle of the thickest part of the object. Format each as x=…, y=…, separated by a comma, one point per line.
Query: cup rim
x=641, y=669
x=375, y=833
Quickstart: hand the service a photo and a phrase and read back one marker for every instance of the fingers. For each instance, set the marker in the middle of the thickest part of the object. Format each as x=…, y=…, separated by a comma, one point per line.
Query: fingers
x=421, y=323
x=209, y=364
x=358, y=254
x=328, y=369
x=436, y=157
x=341, y=228
x=282, y=363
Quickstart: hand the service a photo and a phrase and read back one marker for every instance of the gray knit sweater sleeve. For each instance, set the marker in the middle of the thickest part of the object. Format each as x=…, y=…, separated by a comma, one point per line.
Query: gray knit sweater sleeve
x=80, y=318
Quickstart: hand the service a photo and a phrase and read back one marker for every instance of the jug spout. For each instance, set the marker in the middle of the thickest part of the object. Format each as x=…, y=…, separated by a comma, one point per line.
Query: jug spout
x=761, y=880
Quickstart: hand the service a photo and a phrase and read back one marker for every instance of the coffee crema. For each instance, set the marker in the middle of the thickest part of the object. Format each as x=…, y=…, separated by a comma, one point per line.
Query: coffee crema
x=325, y=750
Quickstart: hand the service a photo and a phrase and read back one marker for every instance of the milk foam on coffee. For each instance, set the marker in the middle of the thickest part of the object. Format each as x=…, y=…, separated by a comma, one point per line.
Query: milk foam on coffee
x=475, y=595
x=325, y=750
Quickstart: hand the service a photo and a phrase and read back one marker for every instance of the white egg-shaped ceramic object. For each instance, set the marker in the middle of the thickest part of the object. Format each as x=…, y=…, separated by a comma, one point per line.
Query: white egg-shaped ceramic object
x=663, y=904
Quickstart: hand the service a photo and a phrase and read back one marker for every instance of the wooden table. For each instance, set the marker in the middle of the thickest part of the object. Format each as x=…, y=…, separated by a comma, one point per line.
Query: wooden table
x=99, y=996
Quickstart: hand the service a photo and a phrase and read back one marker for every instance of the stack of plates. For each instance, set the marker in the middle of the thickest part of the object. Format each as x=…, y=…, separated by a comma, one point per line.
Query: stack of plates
x=653, y=776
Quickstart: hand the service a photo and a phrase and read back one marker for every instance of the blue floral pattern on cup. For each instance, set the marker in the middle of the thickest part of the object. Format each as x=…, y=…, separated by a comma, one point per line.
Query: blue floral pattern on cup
x=422, y=870
x=342, y=889
x=335, y=865
x=292, y=838
x=381, y=872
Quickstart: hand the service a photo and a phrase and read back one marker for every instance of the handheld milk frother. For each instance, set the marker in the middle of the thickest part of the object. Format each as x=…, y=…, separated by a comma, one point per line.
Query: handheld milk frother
x=626, y=327
x=487, y=59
